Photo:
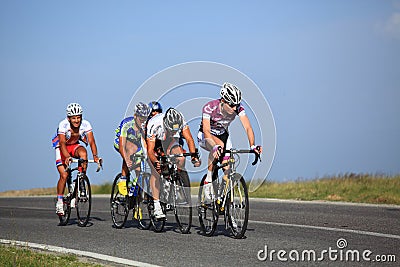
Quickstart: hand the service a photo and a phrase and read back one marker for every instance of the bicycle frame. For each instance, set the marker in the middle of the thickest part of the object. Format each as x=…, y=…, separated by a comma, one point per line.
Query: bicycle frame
x=121, y=203
x=181, y=202
x=229, y=199
x=78, y=195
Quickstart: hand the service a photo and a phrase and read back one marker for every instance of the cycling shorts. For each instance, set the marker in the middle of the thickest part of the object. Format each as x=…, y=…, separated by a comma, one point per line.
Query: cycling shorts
x=60, y=159
x=223, y=137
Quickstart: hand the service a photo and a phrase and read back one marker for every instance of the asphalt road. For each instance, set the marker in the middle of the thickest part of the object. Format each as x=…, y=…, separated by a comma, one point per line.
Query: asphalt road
x=279, y=233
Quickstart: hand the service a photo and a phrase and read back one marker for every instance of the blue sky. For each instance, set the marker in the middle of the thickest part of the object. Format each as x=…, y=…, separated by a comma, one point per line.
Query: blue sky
x=330, y=71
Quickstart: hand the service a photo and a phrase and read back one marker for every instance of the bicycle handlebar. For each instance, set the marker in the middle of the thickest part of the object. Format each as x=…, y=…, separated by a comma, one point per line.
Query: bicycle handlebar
x=243, y=151
x=80, y=161
x=176, y=155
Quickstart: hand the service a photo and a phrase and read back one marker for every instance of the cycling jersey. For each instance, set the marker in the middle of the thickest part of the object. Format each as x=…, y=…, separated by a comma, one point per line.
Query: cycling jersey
x=157, y=132
x=126, y=129
x=155, y=128
x=219, y=122
x=65, y=128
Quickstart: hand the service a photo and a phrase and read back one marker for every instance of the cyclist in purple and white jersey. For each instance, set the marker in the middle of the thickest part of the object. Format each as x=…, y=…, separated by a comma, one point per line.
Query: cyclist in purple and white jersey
x=213, y=135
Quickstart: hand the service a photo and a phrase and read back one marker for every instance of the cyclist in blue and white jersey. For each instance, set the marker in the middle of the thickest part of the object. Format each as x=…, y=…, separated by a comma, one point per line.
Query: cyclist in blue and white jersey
x=213, y=134
x=129, y=137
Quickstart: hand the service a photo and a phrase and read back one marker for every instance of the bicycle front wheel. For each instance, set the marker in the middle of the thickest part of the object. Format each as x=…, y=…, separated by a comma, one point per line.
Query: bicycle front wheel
x=83, y=199
x=141, y=213
x=208, y=212
x=238, y=206
x=182, y=202
x=119, y=203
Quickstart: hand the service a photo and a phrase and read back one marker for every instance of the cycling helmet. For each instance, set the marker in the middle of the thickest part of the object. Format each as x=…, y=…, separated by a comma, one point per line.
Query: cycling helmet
x=155, y=106
x=231, y=94
x=74, y=109
x=173, y=120
x=142, y=109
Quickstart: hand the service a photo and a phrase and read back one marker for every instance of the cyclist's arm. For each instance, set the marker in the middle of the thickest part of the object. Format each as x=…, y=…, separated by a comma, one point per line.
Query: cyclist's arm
x=93, y=145
x=151, y=142
x=207, y=132
x=122, y=143
x=248, y=129
x=189, y=139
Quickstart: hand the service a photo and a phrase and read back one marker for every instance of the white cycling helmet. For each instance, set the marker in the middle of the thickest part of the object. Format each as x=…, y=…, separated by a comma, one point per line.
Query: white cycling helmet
x=173, y=120
x=142, y=110
x=231, y=93
x=74, y=109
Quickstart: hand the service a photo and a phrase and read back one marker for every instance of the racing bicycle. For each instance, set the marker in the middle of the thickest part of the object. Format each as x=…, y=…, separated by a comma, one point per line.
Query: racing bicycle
x=131, y=195
x=229, y=197
x=79, y=193
x=175, y=193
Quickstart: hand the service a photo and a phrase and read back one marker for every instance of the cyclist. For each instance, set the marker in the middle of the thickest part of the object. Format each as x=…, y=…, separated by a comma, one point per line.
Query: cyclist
x=155, y=108
x=165, y=133
x=70, y=132
x=129, y=137
x=213, y=134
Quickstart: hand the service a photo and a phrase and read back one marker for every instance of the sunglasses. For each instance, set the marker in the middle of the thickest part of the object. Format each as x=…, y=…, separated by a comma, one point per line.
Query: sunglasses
x=233, y=105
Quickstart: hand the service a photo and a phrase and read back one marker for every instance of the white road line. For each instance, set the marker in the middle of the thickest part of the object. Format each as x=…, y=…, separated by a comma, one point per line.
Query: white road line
x=328, y=229
x=76, y=252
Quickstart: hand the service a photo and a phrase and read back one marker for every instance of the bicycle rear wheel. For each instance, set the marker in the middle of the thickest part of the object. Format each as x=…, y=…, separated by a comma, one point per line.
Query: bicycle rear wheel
x=158, y=225
x=238, y=206
x=208, y=212
x=182, y=202
x=67, y=211
x=119, y=204
x=83, y=199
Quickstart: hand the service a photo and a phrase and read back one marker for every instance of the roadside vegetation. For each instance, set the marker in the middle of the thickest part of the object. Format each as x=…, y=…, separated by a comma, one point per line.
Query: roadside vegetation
x=17, y=256
x=358, y=188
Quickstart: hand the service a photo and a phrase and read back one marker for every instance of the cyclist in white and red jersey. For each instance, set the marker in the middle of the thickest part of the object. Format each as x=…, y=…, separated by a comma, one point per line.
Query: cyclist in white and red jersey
x=165, y=133
x=70, y=132
x=213, y=135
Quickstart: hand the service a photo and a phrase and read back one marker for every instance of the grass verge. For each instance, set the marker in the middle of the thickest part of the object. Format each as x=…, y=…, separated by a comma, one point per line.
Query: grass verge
x=16, y=256
x=358, y=188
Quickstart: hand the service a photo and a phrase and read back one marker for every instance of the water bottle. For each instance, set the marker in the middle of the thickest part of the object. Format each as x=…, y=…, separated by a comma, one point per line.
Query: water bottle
x=221, y=189
x=132, y=186
x=72, y=187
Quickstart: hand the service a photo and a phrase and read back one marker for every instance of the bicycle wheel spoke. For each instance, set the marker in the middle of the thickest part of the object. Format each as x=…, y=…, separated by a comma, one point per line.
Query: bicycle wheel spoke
x=83, y=200
x=238, y=208
x=183, y=202
x=207, y=212
x=142, y=212
x=118, y=203
x=158, y=225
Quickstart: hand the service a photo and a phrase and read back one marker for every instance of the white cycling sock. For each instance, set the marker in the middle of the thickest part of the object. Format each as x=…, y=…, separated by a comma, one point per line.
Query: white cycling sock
x=157, y=204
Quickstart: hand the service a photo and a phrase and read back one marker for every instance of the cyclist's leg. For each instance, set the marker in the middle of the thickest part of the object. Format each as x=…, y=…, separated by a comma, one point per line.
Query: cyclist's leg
x=80, y=152
x=61, y=181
